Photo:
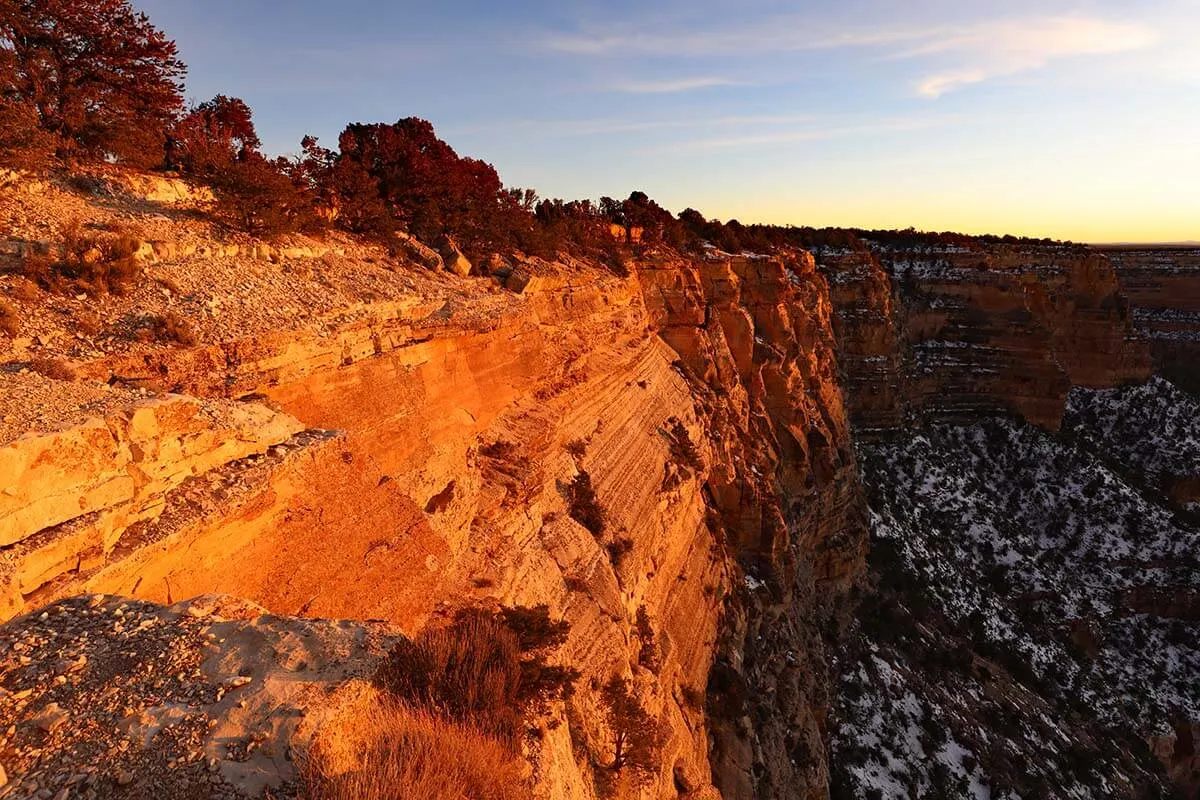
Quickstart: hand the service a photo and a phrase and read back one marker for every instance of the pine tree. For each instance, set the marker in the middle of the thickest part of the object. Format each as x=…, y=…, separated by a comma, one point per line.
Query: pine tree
x=95, y=74
x=636, y=734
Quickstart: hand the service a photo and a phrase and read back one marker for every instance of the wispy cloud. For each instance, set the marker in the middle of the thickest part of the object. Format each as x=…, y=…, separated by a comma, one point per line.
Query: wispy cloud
x=819, y=130
x=609, y=125
x=731, y=132
x=777, y=35
x=948, y=56
x=1006, y=48
x=674, y=86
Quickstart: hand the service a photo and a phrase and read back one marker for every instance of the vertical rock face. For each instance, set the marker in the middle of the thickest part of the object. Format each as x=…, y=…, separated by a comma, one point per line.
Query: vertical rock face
x=1163, y=289
x=980, y=329
x=868, y=335
x=755, y=339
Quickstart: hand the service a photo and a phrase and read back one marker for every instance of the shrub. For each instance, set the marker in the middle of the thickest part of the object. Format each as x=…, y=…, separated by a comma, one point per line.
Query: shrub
x=168, y=327
x=648, y=653
x=402, y=752
x=533, y=628
x=54, y=368
x=577, y=448
x=256, y=196
x=583, y=506
x=618, y=549
x=693, y=698
x=477, y=670
x=24, y=290
x=10, y=320
x=85, y=262
x=88, y=322
x=637, y=738
x=683, y=451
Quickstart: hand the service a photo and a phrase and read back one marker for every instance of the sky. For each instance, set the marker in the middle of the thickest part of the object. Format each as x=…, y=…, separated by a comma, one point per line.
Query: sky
x=1074, y=119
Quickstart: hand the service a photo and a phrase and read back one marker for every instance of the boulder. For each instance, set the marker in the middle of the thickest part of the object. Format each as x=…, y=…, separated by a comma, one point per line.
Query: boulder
x=498, y=266
x=415, y=251
x=454, y=259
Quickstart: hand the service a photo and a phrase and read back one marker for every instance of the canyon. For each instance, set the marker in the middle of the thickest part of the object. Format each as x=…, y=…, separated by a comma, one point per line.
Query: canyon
x=207, y=546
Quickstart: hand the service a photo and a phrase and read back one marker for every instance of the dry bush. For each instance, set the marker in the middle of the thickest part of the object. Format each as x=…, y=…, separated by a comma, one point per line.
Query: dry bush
x=683, y=450
x=24, y=290
x=54, y=368
x=88, y=322
x=168, y=327
x=481, y=670
x=83, y=262
x=619, y=548
x=583, y=506
x=693, y=698
x=404, y=753
x=10, y=320
x=469, y=671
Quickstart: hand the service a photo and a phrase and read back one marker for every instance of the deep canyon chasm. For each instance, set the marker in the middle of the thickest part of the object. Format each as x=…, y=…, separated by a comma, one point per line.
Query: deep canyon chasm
x=396, y=459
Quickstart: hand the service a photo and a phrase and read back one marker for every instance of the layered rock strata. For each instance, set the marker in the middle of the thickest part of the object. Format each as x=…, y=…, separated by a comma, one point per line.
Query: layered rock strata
x=979, y=330
x=408, y=458
x=1163, y=287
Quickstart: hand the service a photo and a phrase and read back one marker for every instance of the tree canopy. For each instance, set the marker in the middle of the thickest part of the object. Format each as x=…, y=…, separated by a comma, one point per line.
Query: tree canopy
x=93, y=74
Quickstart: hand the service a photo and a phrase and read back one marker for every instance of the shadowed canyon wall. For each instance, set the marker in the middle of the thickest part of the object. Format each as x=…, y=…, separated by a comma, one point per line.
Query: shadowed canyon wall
x=948, y=334
x=1163, y=286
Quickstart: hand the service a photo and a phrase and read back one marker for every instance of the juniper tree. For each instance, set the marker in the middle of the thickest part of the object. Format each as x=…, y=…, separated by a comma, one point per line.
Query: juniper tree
x=636, y=736
x=94, y=74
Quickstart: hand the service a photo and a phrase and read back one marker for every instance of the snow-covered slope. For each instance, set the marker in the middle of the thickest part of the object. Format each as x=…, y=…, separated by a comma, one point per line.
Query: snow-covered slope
x=1032, y=624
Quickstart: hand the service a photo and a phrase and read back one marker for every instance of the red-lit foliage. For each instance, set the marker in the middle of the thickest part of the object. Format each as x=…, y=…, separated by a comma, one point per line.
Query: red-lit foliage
x=211, y=135
x=97, y=76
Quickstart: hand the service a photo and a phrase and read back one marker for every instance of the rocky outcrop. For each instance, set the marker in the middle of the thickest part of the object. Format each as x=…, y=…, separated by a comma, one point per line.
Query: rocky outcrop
x=981, y=329
x=702, y=400
x=70, y=495
x=117, y=698
x=1162, y=287
x=755, y=340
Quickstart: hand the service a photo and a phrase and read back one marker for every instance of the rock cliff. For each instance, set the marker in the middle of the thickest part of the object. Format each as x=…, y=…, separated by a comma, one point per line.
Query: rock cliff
x=952, y=333
x=346, y=433
x=408, y=452
x=1162, y=287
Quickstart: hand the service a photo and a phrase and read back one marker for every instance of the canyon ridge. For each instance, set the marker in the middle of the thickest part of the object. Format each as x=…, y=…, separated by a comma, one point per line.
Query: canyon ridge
x=227, y=494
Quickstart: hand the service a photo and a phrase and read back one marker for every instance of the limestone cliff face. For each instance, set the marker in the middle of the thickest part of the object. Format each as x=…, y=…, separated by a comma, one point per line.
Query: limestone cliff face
x=868, y=335
x=1165, y=295
x=405, y=458
x=978, y=330
x=755, y=339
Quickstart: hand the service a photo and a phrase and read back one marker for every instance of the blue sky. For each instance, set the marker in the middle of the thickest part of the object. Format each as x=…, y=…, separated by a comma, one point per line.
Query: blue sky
x=1070, y=119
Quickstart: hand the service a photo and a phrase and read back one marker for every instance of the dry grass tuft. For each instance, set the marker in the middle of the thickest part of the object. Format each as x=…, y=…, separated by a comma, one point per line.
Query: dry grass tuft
x=10, y=320
x=84, y=262
x=168, y=327
x=469, y=671
x=24, y=290
x=398, y=752
x=54, y=368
